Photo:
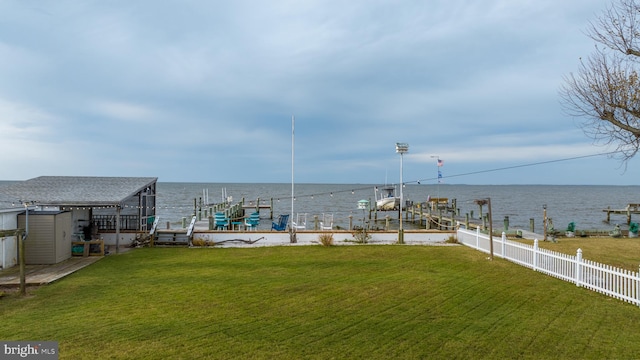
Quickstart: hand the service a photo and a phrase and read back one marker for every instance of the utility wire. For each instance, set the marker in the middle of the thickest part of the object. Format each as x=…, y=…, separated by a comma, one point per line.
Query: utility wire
x=521, y=166
x=368, y=188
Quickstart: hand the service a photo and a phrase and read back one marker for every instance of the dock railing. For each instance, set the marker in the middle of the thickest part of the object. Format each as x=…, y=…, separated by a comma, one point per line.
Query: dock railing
x=617, y=283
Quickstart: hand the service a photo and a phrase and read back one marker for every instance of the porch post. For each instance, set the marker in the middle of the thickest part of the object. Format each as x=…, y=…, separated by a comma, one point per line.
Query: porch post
x=118, y=209
x=22, y=258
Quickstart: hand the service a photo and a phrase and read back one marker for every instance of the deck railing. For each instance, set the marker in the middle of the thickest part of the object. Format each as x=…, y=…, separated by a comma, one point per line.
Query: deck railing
x=108, y=222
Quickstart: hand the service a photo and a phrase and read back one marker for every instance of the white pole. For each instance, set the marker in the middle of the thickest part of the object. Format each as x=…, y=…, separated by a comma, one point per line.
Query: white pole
x=401, y=148
x=401, y=186
x=437, y=179
x=438, y=176
x=293, y=121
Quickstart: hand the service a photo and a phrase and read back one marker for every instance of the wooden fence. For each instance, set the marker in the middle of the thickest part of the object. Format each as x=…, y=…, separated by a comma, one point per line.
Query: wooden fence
x=617, y=283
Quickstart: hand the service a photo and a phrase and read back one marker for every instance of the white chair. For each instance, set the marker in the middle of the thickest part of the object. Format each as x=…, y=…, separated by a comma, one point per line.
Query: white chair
x=327, y=222
x=301, y=222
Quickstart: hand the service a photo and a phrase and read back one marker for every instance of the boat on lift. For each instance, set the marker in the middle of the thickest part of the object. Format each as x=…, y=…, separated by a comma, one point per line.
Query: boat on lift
x=386, y=198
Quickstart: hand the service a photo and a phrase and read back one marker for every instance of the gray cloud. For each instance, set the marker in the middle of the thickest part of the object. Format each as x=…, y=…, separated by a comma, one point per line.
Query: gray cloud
x=205, y=90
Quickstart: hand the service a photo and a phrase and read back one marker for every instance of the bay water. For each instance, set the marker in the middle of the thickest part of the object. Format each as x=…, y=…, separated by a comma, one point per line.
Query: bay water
x=581, y=204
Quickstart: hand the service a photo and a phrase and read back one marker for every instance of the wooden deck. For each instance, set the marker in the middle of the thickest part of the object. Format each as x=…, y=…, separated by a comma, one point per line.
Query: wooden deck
x=628, y=211
x=45, y=274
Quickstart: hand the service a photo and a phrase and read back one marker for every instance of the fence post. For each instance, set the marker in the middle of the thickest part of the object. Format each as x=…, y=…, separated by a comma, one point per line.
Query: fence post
x=535, y=254
x=578, y=267
x=504, y=240
x=638, y=287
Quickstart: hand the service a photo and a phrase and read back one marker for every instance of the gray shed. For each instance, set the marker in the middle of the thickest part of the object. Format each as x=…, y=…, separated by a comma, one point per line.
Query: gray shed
x=49, y=238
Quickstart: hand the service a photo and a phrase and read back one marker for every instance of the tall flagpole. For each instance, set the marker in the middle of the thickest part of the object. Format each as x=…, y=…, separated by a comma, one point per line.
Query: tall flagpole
x=293, y=122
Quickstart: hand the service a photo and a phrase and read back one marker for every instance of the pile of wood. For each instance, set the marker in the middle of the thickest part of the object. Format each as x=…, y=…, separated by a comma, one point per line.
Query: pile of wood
x=141, y=240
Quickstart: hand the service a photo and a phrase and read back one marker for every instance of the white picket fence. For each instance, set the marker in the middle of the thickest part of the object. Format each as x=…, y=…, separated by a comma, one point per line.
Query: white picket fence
x=618, y=283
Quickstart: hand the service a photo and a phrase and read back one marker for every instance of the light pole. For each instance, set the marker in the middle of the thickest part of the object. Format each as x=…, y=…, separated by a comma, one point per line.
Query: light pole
x=401, y=148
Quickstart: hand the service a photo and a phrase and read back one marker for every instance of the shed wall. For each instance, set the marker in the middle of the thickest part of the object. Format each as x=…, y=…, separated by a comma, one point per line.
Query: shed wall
x=49, y=239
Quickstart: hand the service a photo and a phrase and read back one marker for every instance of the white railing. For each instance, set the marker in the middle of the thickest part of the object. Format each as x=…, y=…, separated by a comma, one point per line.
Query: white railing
x=618, y=283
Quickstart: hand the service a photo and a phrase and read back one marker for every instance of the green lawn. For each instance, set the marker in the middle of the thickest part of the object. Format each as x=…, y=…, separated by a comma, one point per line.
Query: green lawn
x=623, y=253
x=313, y=302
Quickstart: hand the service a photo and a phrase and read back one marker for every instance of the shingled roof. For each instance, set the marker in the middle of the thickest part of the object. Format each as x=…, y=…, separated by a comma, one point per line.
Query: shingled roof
x=77, y=190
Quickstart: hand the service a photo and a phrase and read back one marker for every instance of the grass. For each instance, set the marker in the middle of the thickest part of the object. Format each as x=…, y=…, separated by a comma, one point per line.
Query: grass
x=316, y=302
x=623, y=253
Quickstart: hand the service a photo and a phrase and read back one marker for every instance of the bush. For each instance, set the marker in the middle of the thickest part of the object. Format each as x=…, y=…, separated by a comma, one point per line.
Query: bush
x=326, y=239
x=201, y=242
x=361, y=236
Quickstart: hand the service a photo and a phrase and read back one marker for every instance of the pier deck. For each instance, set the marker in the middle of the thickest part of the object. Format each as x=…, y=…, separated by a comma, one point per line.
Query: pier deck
x=628, y=211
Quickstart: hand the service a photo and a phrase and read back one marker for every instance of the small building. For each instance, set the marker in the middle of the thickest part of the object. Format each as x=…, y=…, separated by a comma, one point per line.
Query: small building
x=114, y=209
x=49, y=237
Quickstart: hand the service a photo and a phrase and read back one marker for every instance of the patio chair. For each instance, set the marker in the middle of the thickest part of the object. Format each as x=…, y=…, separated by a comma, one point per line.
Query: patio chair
x=327, y=222
x=221, y=221
x=300, y=223
x=252, y=222
x=281, y=224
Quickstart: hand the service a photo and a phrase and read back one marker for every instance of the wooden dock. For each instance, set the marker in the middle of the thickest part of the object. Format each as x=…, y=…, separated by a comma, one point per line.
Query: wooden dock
x=232, y=211
x=259, y=205
x=203, y=219
x=434, y=214
x=442, y=214
x=628, y=211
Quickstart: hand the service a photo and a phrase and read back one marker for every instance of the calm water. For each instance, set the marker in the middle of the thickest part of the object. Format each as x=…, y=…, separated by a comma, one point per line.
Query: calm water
x=565, y=203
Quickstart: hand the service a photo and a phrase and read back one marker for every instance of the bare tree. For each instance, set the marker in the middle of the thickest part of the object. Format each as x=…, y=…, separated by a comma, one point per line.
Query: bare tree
x=606, y=89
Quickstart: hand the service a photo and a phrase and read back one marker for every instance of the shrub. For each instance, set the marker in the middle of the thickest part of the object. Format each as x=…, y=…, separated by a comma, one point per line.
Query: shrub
x=326, y=239
x=362, y=236
x=201, y=242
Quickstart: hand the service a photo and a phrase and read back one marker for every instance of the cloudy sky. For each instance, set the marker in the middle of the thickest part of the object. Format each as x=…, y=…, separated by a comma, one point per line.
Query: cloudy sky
x=205, y=91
